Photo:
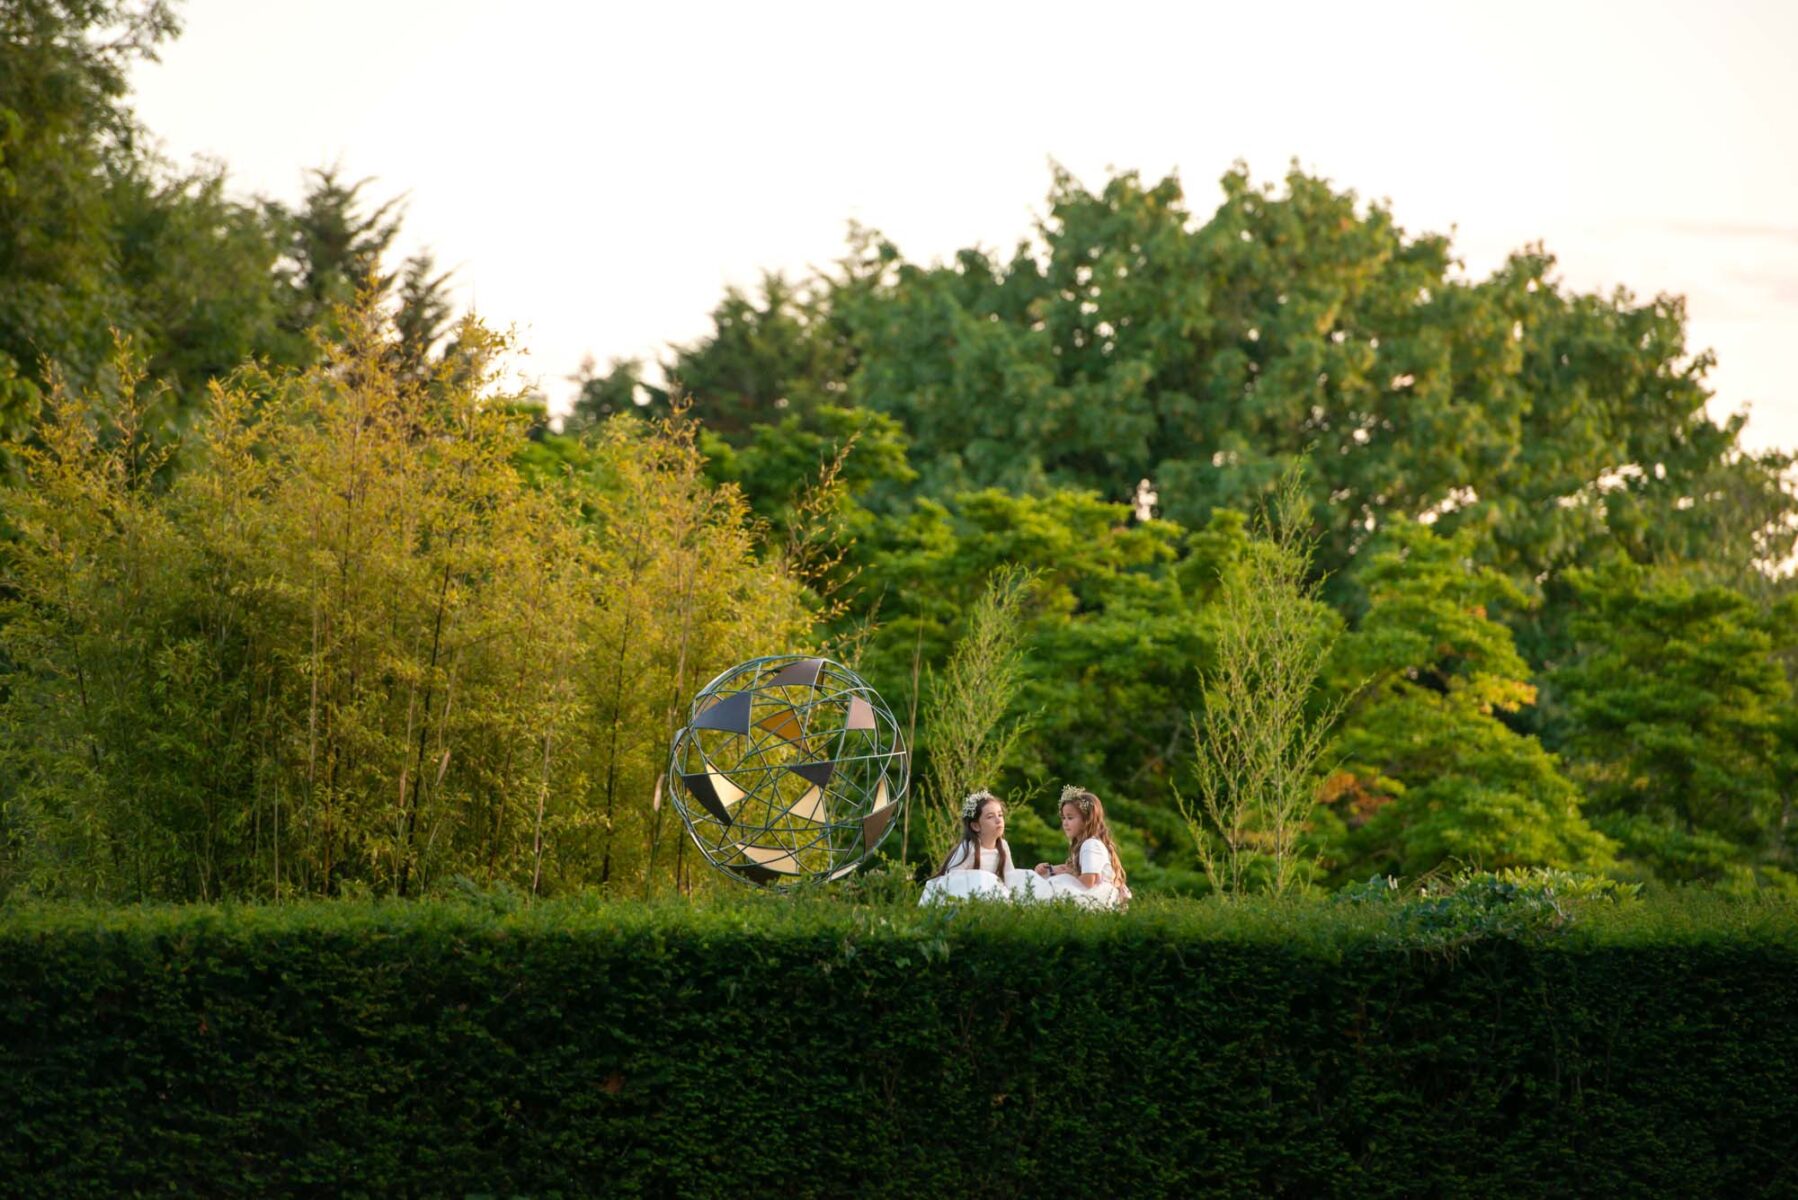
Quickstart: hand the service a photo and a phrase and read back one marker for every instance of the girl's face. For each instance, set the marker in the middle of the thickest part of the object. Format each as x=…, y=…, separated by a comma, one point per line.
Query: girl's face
x=989, y=826
x=1073, y=825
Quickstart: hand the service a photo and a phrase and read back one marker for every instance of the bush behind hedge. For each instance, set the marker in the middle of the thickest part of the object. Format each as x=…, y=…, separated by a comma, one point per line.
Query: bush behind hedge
x=825, y=1049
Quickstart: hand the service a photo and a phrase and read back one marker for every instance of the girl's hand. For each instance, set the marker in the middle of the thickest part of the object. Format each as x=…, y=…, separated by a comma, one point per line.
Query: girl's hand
x=1044, y=869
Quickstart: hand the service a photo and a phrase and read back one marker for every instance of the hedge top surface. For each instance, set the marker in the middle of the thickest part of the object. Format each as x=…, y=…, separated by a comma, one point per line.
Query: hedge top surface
x=1316, y=928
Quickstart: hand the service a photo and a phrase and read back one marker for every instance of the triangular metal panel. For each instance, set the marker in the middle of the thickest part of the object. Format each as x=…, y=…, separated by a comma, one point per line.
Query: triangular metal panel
x=875, y=824
x=774, y=859
x=783, y=724
x=810, y=807
x=815, y=773
x=861, y=714
x=702, y=790
x=728, y=792
x=730, y=714
x=803, y=673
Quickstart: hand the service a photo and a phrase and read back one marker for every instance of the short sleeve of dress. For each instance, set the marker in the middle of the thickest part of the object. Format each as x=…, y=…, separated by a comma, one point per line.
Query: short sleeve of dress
x=958, y=858
x=1094, y=858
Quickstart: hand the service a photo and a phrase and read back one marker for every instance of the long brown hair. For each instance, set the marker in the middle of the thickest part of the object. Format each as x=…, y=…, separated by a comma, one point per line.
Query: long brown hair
x=1092, y=818
x=970, y=835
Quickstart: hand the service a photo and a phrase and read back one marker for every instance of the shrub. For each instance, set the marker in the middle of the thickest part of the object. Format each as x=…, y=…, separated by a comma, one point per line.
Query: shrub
x=831, y=1049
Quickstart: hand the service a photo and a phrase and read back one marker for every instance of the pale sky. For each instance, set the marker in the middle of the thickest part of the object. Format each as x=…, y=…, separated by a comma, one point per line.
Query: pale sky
x=597, y=173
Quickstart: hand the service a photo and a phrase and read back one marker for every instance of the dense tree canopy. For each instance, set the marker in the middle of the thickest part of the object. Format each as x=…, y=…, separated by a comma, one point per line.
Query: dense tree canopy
x=1129, y=341
x=1430, y=772
x=1472, y=446
x=353, y=645
x=66, y=140
x=1680, y=717
x=99, y=236
x=1562, y=589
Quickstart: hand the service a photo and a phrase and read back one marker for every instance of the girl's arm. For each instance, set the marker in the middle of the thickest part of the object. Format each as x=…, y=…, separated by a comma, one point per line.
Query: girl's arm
x=1091, y=878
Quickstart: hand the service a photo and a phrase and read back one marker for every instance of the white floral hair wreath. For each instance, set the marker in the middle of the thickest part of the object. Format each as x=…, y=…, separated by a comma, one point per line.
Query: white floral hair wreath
x=970, y=807
x=1071, y=794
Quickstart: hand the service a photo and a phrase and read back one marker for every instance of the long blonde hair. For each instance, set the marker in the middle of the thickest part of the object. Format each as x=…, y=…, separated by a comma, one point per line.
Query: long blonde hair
x=1092, y=825
x=970, y=834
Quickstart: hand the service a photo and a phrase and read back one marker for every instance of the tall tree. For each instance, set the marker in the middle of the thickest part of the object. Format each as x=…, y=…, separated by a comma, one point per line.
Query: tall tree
x=99, y=235
x=772, y=357
x=197, y=286
x=353, y=645
x=1131, y=340
x=336, y=245
x=65, y=136
x=1430, y=772
x=1116, y=628
x=620, y=389
x=768, y=358
x=1677, y=715
x=422, y=315
x=1264, y=725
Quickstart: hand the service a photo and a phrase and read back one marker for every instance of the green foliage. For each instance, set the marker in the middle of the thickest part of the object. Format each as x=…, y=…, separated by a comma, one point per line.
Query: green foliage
x=765, y=362
x=197, y=284
x=99, y=234
x=1447, y=915
x=351, y=647
x=1260, y=737
x=620, y=390
x=806, y=476
x=1131, y=340
x=970, y=724
x=422, y=316
x=1675, y=716
x=706, y=1050
x=335, y=247
x=777, y=460
x=877, y=439
x=1430, y=773
x=1115, y=629
x=679, y=593
x=65, y=135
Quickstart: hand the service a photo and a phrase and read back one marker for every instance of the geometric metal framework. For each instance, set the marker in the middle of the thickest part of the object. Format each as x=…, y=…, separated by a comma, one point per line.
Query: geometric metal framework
x=789, y=769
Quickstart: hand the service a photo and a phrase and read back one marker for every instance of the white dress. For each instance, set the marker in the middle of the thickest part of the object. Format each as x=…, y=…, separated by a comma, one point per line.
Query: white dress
x=963, y=881
x=1094, y=859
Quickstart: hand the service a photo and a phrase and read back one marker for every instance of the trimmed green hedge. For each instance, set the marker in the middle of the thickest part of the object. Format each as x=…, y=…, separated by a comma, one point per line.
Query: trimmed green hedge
x=817, y=1049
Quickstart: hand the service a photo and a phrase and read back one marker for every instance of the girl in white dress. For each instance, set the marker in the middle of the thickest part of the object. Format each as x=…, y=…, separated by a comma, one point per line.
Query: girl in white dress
x=980, y=865
x=1092, y=874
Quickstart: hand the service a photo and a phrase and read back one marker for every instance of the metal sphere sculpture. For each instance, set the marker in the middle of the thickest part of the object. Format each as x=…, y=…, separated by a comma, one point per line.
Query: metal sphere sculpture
x=789, y=769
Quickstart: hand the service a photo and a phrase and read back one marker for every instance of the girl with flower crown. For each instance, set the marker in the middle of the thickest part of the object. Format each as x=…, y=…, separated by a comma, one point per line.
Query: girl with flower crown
x=981, y=862
x=1092, y=874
